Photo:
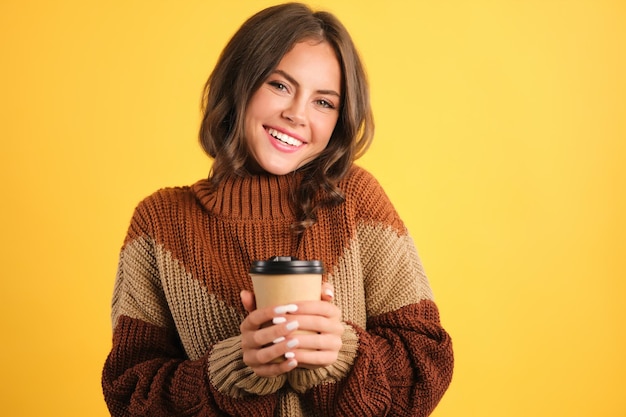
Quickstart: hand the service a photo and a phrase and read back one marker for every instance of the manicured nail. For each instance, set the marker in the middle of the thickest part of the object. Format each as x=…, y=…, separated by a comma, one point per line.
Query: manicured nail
x=289, y=308
x=290, y=355
x=293, y=325
x=278, y=320
x=292, y=363
x=278, y=340
x=292, y=343
x=329, y=292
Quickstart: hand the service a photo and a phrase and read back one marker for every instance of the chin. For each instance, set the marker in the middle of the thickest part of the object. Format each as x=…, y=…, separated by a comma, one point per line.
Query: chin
x=278, y=167
x=279, y=171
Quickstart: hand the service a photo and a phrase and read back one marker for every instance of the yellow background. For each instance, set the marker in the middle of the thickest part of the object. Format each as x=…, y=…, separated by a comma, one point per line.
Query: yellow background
x=500, y=138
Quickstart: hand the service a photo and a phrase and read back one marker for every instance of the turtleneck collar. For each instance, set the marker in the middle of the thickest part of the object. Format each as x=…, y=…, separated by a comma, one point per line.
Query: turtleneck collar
x=255, y=197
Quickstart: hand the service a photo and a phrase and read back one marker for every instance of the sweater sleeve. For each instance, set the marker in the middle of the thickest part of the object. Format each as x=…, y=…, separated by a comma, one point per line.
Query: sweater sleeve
x=147, y=372
x=404, y=360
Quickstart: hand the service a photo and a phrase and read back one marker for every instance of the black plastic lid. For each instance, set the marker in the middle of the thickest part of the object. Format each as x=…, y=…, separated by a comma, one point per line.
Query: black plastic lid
x=286, y=265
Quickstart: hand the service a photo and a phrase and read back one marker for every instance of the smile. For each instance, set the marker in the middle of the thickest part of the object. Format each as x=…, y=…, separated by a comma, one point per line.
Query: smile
x=284, y=137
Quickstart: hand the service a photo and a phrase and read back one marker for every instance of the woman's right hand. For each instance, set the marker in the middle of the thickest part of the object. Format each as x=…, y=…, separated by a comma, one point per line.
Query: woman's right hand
x=262, y=343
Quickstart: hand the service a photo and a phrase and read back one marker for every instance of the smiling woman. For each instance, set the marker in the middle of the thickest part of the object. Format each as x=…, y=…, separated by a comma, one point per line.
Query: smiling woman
x=284, y=125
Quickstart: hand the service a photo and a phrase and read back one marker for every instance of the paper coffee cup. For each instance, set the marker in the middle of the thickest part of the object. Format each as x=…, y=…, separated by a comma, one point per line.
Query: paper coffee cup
x=285, y=280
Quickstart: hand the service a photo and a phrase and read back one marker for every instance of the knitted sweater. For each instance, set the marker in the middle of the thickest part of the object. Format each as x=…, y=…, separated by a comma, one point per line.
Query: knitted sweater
x=176, y=309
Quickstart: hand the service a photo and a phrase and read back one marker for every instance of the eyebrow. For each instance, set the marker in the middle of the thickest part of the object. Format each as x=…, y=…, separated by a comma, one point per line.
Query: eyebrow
x=297, y=84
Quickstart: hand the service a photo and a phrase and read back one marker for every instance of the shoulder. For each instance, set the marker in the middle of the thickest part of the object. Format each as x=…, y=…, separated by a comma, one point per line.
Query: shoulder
x=367, y=199
x=360, y=182
x=358, y=174
x=166, y=197
x=162, y=207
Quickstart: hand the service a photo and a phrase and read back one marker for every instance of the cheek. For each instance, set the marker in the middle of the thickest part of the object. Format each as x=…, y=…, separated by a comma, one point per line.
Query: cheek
x=253, y=115
x=324, y=125
x=329, y=128
x=255, y=107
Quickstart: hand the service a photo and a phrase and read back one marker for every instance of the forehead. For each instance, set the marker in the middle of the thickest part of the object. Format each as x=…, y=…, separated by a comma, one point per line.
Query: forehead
x=314, y=62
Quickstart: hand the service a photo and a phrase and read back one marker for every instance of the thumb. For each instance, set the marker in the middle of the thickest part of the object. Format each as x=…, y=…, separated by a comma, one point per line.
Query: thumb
x=328, y=291
x=248, y=300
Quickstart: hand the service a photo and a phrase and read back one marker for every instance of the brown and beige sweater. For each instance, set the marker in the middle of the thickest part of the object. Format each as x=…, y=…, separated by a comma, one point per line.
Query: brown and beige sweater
x=176, y=309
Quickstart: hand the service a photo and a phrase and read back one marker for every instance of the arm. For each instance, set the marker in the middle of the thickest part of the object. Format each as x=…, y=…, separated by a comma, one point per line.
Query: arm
x=147, y=372
x=403, y=359
x=400, y=361
x=411, y=358
x=153, y=378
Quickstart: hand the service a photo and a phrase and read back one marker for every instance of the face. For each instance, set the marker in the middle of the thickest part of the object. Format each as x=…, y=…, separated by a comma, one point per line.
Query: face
x=290, y=118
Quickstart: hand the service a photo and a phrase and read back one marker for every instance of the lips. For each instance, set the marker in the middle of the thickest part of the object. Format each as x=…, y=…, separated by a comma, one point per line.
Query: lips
x=284, y=138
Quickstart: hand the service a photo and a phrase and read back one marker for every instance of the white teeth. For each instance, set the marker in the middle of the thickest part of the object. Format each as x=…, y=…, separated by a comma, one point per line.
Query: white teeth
x=284, y=138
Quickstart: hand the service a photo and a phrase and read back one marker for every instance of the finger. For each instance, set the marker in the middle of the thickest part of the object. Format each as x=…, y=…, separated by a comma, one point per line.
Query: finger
x=319, y=325
x=276, y=368
x=317, y=351
x=319, y=342
x=319, y=308
x=255, y=339
x=277, y=351
x=248, y=300
x=262, y=316
x=328, y=291
x=315, y=359
x=280, y=350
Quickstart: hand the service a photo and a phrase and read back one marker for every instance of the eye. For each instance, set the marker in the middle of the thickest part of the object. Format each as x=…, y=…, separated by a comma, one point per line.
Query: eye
x=278, y=86
x=325, y=104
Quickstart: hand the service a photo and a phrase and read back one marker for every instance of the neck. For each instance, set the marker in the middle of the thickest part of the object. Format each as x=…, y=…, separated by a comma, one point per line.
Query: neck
x=260, y=196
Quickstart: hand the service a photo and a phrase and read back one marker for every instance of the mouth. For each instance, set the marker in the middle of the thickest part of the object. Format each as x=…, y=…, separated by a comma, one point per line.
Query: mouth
x=284, y=138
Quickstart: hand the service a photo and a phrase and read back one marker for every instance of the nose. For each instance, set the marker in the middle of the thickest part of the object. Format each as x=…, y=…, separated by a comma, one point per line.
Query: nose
x=295, y=112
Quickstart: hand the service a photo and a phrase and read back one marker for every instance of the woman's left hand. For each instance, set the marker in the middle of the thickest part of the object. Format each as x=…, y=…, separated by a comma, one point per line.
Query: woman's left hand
x=319, y=344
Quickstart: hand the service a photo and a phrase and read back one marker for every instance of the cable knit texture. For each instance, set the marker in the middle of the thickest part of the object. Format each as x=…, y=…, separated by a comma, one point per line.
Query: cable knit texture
x=176, y=309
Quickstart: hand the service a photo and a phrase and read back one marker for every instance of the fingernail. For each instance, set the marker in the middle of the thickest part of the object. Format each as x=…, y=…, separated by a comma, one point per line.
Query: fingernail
x=292, y=343
x=329, y=292
x=278, y=339
x=293, y=325
x=278, y=320
x=289, y=308
x=292, y=363
x=290, y=355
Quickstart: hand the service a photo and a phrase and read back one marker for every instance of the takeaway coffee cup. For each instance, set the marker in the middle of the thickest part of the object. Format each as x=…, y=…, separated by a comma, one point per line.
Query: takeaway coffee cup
x=285, y=280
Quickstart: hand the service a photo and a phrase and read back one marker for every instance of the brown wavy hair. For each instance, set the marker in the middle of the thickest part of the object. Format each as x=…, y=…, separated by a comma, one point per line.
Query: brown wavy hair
x=248, y=59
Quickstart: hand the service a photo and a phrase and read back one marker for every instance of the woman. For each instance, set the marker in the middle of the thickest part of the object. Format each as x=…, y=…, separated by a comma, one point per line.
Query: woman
x=286, y=113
